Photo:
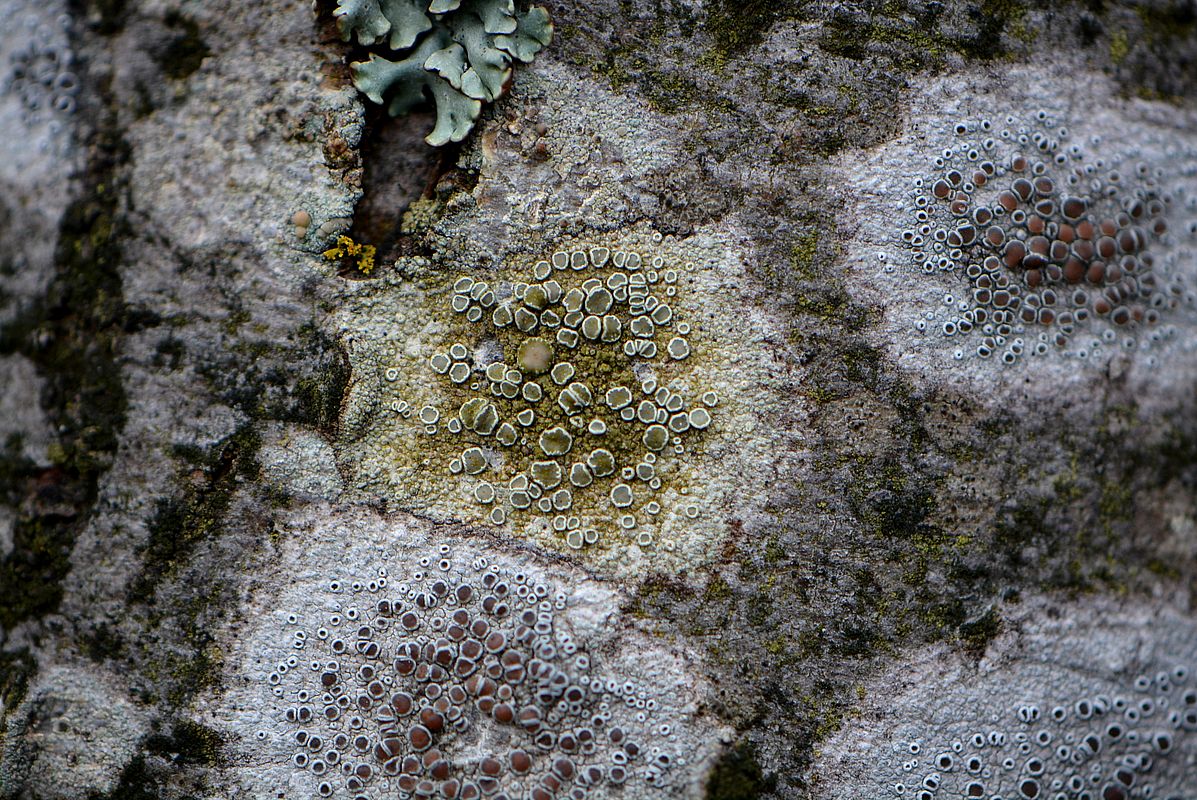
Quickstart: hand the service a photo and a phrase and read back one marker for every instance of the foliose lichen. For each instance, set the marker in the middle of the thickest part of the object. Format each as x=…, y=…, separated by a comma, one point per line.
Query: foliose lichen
x=460, y=52
x=360, y=255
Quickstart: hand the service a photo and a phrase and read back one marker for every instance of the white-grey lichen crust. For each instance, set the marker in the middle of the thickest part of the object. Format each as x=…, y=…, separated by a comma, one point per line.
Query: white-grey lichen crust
x=331, y=562
x=1091, y=698
x=1089, y=127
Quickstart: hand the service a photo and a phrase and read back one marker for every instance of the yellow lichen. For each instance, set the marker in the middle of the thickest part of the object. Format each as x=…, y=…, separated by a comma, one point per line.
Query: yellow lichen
x=348, y=249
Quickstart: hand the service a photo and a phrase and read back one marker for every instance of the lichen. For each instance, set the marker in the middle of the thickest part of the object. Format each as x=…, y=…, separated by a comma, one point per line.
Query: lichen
x=736, y=27
x=543, y=398
x=449, y=667
x=1041, y=250
x=360, y=256
x=1102, y=707
x=460, y=53
x=576, y=401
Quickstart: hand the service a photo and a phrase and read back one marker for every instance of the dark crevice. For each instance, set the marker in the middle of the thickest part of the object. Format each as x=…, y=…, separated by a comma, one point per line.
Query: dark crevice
x=398, y=169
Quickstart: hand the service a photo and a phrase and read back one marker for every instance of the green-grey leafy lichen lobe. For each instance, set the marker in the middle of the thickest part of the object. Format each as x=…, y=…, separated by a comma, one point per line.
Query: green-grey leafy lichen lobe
x=460, y=51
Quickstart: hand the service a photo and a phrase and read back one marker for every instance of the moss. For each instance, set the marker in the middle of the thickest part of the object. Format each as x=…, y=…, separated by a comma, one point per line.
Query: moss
x=992, y=19
x=668, y=92
x=978, y=632
x=180, y=523
x=775, y=553
x=71, y=334
x=829, y=722
x=1168, y=21
x=188, y=743
x=197, y=668
x=759, y=609
x=186, y=50
x=738, y=776
x=909, y=44
x=17, y=668
x=777, y=646
x=802, y=254
x=1119, y=47
x=827, y=303
x=917, y=41
x=717, y=589
x=1164, y=569
x=812, y=642
x=1024, y=522
x=39, y=561
x=890, y=504
x=942, y=617
x=16, y=472
x=737, y=26
x=1067, y=485
x=1116, y=503
x=672, y=92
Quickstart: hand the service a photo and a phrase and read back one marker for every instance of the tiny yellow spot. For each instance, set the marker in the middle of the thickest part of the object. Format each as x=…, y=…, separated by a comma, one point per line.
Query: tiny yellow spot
x=347, y=248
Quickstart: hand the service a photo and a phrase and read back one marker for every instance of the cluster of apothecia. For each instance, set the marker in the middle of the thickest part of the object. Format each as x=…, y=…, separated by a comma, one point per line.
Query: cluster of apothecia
x=566, y=423
x=40, y=71
x=462, y=681
x=1093, y=747
x=1054, y=251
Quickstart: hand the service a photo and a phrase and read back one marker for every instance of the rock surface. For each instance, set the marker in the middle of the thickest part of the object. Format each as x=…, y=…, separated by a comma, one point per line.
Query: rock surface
x=818, y=536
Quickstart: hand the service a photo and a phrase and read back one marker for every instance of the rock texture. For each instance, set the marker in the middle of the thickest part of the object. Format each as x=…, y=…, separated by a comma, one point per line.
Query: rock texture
x=701, y=425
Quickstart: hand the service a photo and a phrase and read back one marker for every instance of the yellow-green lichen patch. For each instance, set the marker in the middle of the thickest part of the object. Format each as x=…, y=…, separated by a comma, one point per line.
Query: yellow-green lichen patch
x=569, y=400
